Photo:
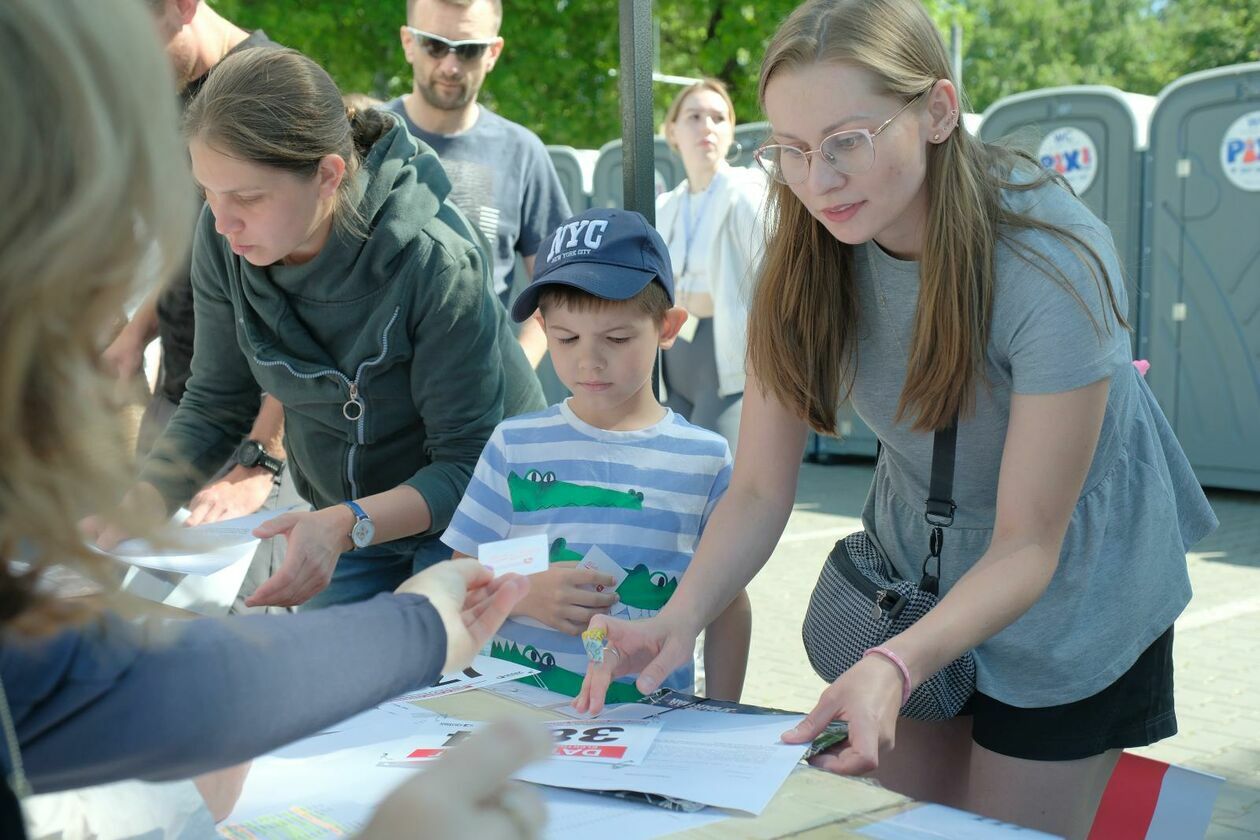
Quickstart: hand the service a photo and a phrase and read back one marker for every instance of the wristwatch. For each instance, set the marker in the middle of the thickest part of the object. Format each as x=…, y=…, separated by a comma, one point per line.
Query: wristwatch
x=251, y=454
x=364, y=530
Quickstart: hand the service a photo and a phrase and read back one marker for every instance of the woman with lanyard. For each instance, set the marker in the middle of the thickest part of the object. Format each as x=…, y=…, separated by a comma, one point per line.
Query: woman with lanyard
x=712, y=226
x=331, y=271
x=947, y=285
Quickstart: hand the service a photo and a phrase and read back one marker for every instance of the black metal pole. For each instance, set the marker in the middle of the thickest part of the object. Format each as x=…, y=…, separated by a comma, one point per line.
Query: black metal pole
x=639, y=187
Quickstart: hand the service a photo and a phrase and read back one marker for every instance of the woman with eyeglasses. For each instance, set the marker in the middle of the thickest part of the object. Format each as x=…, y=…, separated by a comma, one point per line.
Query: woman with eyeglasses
x=713, y=227
x=924, y=276
x=331, y=271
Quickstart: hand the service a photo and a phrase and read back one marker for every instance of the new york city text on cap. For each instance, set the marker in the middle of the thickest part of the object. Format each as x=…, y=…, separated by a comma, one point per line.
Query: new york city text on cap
x=612, y=254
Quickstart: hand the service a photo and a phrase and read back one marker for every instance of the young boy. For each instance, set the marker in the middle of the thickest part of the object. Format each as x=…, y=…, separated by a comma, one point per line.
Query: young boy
x=609, y=474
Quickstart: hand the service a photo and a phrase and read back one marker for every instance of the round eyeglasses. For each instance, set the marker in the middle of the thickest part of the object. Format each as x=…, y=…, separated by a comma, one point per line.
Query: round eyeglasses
x=438, y=47
x=851, y=152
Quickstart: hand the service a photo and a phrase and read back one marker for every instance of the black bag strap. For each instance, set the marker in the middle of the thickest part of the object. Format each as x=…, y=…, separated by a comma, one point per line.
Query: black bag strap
x=939, y=507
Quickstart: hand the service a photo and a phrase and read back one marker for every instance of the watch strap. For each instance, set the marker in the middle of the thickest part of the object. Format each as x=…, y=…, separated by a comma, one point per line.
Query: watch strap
x=359, y=513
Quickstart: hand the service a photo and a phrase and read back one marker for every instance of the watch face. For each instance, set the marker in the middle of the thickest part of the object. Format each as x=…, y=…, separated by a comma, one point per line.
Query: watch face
x=362, y=532
x=249, y=453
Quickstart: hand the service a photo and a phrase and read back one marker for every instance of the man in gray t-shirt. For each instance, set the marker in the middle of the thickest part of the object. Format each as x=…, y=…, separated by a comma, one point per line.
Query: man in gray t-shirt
x=502, y=178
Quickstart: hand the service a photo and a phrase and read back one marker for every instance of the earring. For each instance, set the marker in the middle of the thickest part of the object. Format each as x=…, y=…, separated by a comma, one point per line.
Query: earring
x=936, y=138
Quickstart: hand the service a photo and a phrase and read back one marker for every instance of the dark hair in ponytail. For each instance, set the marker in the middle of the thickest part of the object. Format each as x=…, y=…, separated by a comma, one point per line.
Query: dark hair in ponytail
x=277, y=108
x=367, y=125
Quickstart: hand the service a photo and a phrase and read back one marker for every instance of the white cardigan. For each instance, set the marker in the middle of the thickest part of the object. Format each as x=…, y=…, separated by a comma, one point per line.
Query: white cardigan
x=734, y=255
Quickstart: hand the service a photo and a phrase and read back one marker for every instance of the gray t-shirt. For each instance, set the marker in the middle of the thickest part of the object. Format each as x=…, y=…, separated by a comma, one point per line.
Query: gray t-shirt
x=503, y=180
x=1122, y=578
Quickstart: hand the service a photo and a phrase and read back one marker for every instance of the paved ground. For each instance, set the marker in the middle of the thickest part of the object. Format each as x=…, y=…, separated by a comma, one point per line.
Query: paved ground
x=1217, y=685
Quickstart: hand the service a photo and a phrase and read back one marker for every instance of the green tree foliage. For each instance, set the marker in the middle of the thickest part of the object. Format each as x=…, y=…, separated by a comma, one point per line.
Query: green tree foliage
x=558, y=72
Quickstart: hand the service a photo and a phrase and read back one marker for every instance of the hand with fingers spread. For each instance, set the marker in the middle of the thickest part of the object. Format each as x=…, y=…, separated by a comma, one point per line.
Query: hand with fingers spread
x=868, y=697
x=467, y=792
x=315, y=542
x=652, y=647
x=143, y=503
x=239, y=493
x=567, y=598
x=472, y=602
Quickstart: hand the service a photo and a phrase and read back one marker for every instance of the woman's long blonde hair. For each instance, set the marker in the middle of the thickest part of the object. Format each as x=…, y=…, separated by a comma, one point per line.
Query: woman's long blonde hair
x=803, y=322
x=97, y=200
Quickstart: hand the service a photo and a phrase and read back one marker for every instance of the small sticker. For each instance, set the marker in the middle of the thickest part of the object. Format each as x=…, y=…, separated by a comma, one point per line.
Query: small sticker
x=1071, y=153
x=1240, y=152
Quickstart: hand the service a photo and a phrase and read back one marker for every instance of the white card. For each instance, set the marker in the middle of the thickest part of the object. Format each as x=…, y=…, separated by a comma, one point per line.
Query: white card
x=522, y=555
x=598, y=561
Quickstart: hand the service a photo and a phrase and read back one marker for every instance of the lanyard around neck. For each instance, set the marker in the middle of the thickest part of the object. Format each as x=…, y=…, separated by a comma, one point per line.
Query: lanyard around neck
x=692, y=226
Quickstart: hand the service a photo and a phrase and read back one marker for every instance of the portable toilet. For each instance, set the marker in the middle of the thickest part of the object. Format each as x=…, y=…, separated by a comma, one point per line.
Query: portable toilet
x=1095, y=136
x=607, y=185
x=568, y=167
x=748, y=136
x=1201, y=290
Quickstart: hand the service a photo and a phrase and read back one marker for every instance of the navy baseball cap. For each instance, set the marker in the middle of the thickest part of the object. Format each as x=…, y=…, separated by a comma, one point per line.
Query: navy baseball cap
x=611, y=254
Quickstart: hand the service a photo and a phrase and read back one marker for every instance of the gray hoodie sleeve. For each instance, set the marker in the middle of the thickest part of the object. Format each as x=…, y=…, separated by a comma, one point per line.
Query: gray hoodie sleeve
x=222, y=397
x=114, y=700
x=458, y=379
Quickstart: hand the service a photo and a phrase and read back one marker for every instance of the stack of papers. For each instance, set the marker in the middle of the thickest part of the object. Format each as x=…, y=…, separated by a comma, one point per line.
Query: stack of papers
x=723, y=759
x=484, y=672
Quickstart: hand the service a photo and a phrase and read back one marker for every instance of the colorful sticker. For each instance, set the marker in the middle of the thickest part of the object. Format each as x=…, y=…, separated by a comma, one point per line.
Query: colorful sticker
x=1071, y=153
x=1240, y=152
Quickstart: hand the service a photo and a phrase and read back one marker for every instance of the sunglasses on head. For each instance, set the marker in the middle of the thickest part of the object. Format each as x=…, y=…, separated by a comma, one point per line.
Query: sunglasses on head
x=438, y=47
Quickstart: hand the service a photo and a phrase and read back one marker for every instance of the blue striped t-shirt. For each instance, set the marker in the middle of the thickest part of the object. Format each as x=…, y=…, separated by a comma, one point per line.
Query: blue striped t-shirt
x=643, y=497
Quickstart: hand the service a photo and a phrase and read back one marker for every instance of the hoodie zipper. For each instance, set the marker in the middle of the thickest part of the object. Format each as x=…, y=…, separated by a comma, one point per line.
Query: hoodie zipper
x=354, y=409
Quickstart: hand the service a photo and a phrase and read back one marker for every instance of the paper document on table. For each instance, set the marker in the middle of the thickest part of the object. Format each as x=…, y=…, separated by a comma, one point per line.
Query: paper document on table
x=612, y=743
x=937, y=822
x=484, y=671
x=727, y=760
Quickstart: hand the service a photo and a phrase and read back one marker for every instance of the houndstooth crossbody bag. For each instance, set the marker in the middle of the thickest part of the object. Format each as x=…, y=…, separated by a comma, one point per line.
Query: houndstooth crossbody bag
x=859, y=603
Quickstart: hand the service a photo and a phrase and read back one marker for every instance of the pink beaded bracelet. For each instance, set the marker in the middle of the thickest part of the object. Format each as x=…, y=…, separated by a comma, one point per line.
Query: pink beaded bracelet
x=901, y=666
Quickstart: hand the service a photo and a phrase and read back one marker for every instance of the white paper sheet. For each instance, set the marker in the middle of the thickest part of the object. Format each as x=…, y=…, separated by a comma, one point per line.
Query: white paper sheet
x=936, y=822
x=180, y=542
x=727, y=760
x=484, y=671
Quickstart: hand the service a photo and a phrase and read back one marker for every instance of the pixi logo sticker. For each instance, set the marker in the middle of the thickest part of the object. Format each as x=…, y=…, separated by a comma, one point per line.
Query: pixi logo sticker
x=1071, y=153
x=1240, y=152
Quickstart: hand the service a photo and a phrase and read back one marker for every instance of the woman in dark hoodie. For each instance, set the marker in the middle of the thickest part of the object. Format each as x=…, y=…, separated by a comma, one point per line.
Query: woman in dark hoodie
x=331, y=271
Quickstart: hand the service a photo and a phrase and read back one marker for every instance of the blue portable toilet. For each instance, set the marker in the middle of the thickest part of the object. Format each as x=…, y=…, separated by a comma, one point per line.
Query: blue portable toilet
x=568, y=164
x=606, y=187
x=1201, y=290
x=1095, y=136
